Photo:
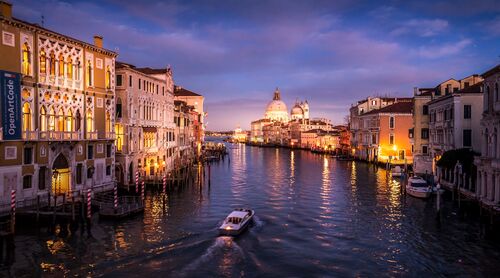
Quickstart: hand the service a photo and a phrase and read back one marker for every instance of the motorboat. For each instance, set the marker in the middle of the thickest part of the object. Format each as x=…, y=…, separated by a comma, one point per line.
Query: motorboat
x=396, y=171
x=418, y=187
x=236, y=222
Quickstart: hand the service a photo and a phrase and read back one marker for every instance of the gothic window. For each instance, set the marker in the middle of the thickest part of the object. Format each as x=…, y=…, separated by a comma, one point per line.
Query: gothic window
x=60, y=120
x=43, y=62
x=90, y=121
x=108, y=123
x=69, y=66
x=43, y=119
x=119, y=108
x=89, y=73
x=26, y=65
x=77, y=69
x=52, y=63
x=108, y=78
x=52, y=119
x=26, y=117
x=78, y=120
x=61, y=65
x=69, y=121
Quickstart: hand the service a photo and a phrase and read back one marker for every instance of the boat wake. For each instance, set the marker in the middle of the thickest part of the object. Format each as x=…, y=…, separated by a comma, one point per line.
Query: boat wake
x=223, y=246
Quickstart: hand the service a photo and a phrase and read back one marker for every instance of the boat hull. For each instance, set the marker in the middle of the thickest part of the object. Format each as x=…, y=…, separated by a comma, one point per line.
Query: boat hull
x=242, y=228
x=418, y=193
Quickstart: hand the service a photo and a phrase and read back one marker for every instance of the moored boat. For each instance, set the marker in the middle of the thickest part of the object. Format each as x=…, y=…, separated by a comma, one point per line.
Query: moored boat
x=396, y=171
x=236, y=222
x=418, y=187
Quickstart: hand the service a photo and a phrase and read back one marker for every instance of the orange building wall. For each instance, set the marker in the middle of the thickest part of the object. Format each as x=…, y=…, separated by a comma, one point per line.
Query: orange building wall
x=401, y=140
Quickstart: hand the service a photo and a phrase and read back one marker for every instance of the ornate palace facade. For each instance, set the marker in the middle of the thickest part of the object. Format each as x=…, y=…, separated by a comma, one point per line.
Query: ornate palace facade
x=66, y=111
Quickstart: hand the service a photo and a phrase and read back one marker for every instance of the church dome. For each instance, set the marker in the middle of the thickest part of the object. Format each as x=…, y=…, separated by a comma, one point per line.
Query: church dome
x=276, y=109
x=297, y=110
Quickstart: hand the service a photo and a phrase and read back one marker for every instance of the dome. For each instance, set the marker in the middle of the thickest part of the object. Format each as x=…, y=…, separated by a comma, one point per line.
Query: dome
x=276, y=109
x=297, y=110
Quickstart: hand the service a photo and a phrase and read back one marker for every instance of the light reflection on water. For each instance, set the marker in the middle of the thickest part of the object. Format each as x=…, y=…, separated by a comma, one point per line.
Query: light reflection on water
x=315, y=216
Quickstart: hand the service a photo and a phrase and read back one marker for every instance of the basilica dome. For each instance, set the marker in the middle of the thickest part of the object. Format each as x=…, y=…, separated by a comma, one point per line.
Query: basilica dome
x=297, y=112
x=276, y=109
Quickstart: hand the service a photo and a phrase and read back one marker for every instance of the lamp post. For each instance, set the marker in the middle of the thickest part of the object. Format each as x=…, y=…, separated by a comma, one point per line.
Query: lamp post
x=55, y=177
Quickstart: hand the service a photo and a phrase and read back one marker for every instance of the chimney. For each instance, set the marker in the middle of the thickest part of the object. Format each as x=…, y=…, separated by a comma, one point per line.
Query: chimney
x=415, y=91
x=5, y=9
x=98, y=41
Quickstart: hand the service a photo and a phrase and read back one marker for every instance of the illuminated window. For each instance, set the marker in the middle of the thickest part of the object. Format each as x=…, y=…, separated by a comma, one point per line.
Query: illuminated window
x=43, y=62
x=108, y=122
x=26, y=117
x=69, y=121
x=60, y=120
x=108, y=78
x=391, y=122
x=69, y=68
x=89, y=73
x=52, y=119
x=52, y=63
x=43, y=119
x=391, y=139
x=61, y=65
x=119, y=137
x=26, y=65
x=77, y=70
x=90, y=121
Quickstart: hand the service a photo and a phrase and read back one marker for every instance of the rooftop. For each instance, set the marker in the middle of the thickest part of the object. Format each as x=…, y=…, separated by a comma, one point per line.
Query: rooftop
x=495, y=69
x=179, y=91
x=398, y=107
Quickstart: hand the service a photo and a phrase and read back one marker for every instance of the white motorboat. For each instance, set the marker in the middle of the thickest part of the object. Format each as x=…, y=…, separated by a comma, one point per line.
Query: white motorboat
x=236, y=222
x=396, y=171
x=418, y=187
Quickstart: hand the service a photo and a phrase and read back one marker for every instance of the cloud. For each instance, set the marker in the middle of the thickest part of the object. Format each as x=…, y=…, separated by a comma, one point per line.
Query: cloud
x=421, y=27
x=444, y=50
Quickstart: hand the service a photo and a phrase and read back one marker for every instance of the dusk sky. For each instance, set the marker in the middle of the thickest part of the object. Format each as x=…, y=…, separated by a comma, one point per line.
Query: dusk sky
x=331, y=53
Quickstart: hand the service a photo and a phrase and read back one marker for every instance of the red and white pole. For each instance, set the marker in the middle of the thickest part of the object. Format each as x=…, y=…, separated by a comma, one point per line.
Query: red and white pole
x=89, y=203
x=164, y=184
x=115, y=189
x=142, y=190
x=136, y=181
x=13, y=208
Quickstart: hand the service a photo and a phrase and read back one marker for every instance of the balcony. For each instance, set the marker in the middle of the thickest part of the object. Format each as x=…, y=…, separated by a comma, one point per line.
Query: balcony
x=110, y=135
x=30, y=135
x=91, y=135
x=59, y=135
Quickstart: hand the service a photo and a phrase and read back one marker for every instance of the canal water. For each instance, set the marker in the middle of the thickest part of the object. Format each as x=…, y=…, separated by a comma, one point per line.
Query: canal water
x=315, y=217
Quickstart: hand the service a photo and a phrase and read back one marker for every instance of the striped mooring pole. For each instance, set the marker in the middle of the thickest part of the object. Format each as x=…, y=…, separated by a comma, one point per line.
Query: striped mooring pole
x=142, y=190
x=89, y=203
x=137, y=182
x=115, y=189
x=164, y=184
x=13, y=209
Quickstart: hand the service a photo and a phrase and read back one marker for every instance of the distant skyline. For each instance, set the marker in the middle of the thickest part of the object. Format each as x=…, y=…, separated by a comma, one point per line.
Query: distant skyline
x=332, y=53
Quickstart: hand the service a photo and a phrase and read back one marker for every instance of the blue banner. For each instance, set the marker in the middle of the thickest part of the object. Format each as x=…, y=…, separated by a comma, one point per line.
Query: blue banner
x=10, y=93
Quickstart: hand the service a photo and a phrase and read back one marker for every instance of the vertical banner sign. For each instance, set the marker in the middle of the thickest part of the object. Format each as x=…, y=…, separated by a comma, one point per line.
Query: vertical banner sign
x=10, y=93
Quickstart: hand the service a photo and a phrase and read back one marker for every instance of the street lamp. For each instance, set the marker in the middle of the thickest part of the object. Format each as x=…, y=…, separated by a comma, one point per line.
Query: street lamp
x=55, y=176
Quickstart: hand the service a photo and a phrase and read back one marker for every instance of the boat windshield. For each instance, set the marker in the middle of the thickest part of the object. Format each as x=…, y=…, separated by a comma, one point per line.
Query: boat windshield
x=234, y=220
x=419, y=184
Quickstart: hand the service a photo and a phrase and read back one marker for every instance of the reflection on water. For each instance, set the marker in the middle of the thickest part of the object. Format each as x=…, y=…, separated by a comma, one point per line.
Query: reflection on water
x=315, y=216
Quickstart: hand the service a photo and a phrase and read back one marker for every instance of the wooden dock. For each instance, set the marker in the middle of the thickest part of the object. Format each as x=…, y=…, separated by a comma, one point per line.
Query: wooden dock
x=127, y=206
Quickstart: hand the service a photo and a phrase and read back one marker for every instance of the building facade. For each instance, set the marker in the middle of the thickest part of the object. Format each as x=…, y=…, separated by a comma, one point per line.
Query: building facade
x=488, y=165
x=63, y=137
x=145, y=140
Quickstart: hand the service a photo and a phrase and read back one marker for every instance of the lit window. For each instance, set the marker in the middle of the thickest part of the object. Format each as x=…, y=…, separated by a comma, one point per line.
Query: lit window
x=69, y=121
x=108, y=122
x=89, y=73
x=43, y=119
x=108, y=78
x=61, y=65
x=52, y=63
x=90, y=121
x=69, y=71
x=52, y=119
x=43, y=62
x=60, y=120
x=26, y=60
x=26, y=117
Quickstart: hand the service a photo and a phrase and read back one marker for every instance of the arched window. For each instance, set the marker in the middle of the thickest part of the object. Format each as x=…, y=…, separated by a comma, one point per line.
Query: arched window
x=43, y=62
x=108, y=78
x=108, y=122
x=90, y=121
x=89, y=73
x=391, y=122
x=119, y=108
x=52, y=119
x=69, y=121
x=26, y=59
x=60, y=120
x=61, y=65
x=52, y=63
x=78, y=120
x=69, y=68
x=43, y=119
x=27, y=117
x=77, y=70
